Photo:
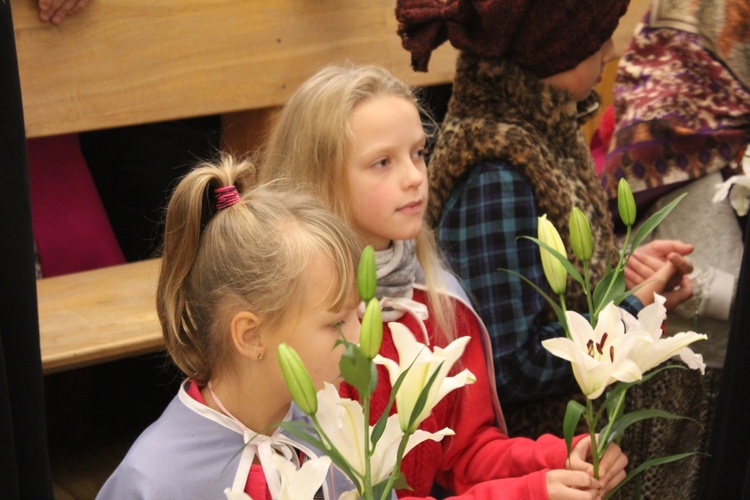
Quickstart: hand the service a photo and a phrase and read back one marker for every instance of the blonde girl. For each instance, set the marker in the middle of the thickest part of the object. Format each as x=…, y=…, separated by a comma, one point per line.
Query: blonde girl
x=354, y=136
x=242, y=271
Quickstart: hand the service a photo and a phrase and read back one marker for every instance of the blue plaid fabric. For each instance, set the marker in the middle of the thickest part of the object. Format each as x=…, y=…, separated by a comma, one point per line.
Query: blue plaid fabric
x=479, y=228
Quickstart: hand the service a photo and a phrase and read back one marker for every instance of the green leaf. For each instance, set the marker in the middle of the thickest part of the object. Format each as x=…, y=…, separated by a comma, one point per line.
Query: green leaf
x=379, y=426
x=604, y=294
x=628, y=419
x=422, y=399
x=562, y=258
x=398, y=484
x=573, y=413
x=653, y=221
x=356, y=369
x=651, y=463
x=558, y=310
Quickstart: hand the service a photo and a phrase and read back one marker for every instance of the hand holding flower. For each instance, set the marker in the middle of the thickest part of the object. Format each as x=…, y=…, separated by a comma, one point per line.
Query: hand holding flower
x=610, y=351
x=611, y=466
x=571, y=484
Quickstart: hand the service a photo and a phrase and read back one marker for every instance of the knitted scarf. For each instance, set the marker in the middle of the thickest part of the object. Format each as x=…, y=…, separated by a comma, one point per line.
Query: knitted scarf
x=498, y=111
x=396, y=268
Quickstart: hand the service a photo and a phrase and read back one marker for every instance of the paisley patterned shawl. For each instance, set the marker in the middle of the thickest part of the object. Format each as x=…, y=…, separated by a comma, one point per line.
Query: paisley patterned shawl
x=681, y=114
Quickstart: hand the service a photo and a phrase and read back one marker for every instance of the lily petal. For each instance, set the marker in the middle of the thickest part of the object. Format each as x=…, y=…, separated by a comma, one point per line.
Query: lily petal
x=422, y=363
x=304, y=482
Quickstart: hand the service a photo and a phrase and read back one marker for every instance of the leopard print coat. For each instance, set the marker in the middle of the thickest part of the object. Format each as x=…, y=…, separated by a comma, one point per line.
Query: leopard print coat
x=499, y=111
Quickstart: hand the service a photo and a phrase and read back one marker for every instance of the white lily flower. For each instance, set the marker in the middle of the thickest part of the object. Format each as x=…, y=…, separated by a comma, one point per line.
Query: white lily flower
x=598, y=356
x=653, y=349
x=302, y=483
x=423, y=364
x=343, y=422
x=349, y=495
x=739, y=196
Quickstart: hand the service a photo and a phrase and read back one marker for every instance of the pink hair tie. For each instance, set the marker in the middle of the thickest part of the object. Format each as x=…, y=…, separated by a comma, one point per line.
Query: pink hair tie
x=226, y=197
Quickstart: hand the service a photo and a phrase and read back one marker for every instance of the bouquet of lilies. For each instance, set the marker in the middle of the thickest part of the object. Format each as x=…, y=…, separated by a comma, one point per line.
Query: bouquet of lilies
x=610, y=350
x=369, y=455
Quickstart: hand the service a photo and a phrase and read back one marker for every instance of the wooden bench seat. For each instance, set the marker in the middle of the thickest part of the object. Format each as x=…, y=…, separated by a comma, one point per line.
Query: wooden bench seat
x=98, y=316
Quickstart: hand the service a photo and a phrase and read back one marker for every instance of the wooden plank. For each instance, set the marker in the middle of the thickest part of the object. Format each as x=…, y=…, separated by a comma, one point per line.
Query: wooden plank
x=98, y=316
x=121, y=62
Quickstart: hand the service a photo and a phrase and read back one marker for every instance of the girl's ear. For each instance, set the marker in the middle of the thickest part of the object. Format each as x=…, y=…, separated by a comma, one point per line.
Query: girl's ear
x=246, y=337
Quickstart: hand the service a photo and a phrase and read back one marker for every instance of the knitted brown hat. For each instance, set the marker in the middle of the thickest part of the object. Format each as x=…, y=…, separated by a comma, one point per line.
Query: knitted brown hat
x=544, y=37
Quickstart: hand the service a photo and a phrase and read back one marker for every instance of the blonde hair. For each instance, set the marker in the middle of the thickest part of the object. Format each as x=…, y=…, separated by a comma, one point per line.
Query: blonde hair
x=249, y=256
x=310, y=141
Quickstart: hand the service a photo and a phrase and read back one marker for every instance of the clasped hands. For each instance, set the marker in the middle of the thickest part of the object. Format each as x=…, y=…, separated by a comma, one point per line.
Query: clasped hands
x=662, y=266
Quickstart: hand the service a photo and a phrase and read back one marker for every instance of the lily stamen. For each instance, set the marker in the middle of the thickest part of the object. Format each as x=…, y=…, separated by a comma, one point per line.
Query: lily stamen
x=600, y=345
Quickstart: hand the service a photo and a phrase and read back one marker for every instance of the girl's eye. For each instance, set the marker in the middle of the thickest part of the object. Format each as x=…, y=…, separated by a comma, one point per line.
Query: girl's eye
x=420, y=153
x=336, y=325
x=382, y=163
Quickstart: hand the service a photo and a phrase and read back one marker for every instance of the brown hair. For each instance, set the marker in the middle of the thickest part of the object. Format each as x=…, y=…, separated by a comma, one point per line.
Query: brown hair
x=249, y=256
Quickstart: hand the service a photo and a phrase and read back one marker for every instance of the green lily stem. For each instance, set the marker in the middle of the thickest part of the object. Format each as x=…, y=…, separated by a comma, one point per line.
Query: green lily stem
x=592, y=432
x=620, y=264
x=587, y=291
x=611, y=419
x=397, y=468
x=564, y=319
x=368, y=480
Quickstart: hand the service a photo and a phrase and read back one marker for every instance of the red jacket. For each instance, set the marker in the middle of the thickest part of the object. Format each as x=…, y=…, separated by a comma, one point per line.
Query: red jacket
x=480, y=461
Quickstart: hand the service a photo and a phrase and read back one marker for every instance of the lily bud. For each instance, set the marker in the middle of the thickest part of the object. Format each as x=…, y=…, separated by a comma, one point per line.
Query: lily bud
x=580, y=235
x=625, y=202
x=298, y=379
x=367, y=280
x=554, y=270
x=371, y=334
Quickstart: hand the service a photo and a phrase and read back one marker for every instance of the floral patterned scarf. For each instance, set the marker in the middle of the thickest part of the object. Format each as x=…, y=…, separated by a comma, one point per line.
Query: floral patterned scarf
x=680, y=113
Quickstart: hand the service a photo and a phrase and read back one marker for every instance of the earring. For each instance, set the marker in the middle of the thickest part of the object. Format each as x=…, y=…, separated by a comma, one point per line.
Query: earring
x=261, y=356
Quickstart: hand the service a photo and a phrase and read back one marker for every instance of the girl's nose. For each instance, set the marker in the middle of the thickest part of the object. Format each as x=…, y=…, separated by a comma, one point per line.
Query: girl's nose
x=415, y=174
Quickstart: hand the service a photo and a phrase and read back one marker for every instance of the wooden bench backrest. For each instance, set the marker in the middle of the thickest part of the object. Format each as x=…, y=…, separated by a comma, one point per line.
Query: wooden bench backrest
x=121, y=62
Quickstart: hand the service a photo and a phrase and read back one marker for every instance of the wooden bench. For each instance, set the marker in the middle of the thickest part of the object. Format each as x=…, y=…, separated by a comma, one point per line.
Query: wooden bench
x=98, y=316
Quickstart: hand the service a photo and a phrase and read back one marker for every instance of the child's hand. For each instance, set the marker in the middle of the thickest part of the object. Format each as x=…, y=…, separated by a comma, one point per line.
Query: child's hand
x=663, y=248
x=571, y=485
x=55, y=11
x=663, y=273
x=646, y=259
x=611, y=465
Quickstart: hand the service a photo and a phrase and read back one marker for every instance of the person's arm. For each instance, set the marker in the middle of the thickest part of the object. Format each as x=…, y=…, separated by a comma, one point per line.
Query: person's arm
x=480, y=452
x=479, y=232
